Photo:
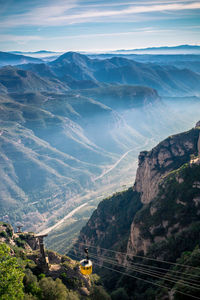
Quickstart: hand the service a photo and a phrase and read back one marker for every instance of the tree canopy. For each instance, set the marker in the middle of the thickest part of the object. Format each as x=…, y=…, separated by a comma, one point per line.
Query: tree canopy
x=11, y=275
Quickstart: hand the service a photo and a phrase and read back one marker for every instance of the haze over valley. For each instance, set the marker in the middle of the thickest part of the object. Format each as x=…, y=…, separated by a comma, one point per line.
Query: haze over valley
x=72, y=129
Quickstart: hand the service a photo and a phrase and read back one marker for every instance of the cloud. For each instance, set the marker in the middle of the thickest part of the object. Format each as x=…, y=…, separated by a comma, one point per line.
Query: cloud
x=24, y=39
x=113, y=34
x=128, y=3
x=27, y=38
x=39, y=15
x=133, y=10
x=20, y=39
x=63, y=13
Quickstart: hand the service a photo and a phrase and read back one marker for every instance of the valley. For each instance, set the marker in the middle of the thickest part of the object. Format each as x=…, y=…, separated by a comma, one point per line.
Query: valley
x=72, y=129
x=99, y=150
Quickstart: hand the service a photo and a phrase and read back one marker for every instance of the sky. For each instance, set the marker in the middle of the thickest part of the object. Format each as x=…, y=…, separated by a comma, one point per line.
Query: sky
x=101, y=25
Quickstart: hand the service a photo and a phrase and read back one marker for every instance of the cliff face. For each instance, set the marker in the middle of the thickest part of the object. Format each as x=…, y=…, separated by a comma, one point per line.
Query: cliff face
x=164, y=200
x=109, y=225
x=172, y=212
x=165, y=157
x=159, y=218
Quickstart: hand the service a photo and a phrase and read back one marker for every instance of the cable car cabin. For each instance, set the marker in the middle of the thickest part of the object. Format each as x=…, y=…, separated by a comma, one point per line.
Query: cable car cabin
x=86, y=267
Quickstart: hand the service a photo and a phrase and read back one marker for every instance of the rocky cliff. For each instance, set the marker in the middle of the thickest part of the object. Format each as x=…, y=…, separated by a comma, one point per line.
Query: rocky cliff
x=109, y=226
x=160, y=216
x=117, y=212
x=155, y=183
x=169, y=155
x=174, y=209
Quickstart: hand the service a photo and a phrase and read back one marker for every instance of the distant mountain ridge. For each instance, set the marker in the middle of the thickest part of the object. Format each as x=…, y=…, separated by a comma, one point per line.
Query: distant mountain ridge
x=44, y=55
x=70, y=128
x=78, y=71
x=184, y=49
x=16, y=59
x=33, y=52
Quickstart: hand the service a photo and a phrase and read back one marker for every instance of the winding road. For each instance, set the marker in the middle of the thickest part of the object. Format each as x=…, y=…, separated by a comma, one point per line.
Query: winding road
x=69, y=215
x=113, y=166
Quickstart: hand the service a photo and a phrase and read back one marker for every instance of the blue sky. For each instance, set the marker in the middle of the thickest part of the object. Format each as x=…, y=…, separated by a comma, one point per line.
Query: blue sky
x=83, y=25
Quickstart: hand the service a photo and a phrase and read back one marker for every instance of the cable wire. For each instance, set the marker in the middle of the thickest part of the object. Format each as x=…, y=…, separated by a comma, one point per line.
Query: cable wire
x=145, y=280
x=158, y=268
x=168, y=277
x=147, y=272
x=143, y=257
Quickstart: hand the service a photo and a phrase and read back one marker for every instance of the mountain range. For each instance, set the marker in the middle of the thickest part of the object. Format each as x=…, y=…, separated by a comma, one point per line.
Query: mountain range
x=78, y=71
x=13, y=59
x=181, y=49
x=70, y=127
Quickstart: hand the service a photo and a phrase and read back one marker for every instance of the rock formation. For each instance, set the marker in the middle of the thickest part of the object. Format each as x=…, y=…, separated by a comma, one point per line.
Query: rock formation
x=163, y=201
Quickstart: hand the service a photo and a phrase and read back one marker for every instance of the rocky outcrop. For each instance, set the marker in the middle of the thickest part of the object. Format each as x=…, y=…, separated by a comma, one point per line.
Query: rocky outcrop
x=165, y=157
x=172, y=210
x=161, y=189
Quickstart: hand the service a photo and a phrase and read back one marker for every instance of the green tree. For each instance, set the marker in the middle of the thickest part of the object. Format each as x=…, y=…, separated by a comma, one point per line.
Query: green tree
x=52, y=290
x=119, y=294
x=31, y=285
x=72, y=295
x=29, y=297
x=99, y=293
x=11, y=275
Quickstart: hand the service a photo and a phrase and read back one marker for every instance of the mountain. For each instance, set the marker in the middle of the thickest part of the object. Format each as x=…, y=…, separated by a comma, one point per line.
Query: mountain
x=55, y=143
x=43, y=55
x=34, y=157
x=181, y=49
x=157, y=218
x=123, y=96
x=181, y=61
x=30, y=52
x=16, y=59
x=18, y=81
x=81, y=72
x=68, y=132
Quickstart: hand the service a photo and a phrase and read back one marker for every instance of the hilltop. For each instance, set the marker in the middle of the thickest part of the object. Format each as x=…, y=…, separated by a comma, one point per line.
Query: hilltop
x=16, y=59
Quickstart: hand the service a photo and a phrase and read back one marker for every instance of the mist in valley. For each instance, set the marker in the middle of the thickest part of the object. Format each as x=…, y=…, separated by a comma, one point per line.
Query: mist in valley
x=72, y=130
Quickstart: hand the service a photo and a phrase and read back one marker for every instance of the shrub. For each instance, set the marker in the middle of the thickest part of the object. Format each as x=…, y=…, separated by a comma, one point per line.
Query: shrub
x=31, y=285
x=20, y=242
x=119, y=294
x=29, y=297
x=98, y=293
x=3, y=234
x=9, y=231
x=52, y=290
x=11, y=276
x=42, y=275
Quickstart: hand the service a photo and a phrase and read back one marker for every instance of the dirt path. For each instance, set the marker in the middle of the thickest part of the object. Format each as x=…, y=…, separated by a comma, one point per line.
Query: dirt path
x=114, y=166
x=69, y=215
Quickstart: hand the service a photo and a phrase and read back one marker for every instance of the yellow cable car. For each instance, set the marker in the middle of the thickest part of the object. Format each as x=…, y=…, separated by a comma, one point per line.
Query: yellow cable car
x=86, y=265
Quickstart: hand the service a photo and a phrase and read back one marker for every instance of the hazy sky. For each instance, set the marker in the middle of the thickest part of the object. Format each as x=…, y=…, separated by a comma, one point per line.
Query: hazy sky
x=78, y=25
